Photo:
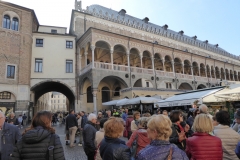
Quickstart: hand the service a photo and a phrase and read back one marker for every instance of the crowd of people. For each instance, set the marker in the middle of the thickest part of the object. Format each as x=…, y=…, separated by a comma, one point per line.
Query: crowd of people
x=164, y=135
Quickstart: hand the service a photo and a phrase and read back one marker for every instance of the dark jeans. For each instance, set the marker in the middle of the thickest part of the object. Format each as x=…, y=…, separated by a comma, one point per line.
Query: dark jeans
x=91, y=155
x=129, y=134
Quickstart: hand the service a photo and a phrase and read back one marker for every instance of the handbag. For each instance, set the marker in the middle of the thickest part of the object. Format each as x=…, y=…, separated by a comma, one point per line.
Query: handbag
x=51, y=147
x=134, y=148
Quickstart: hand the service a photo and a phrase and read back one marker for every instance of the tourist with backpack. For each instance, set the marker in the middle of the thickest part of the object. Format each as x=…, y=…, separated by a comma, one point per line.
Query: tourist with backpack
x=36, y=138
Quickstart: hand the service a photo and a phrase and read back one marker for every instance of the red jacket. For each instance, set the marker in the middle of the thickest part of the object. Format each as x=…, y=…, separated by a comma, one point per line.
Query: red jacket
x=142, y=140
x=203, y=146
x=128, y=122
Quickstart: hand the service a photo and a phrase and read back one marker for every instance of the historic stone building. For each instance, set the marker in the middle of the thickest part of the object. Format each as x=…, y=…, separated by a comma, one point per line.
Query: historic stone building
x=118, y=53
x=17, y=25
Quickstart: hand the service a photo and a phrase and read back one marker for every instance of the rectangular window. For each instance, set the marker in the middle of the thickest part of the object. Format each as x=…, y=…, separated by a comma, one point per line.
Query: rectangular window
x=147, y=84
x=58, y=101
x=53, y=31
x=39, y=42
x=169, y=85
x=38, y=65
x=11, y=71
x=69, y=66
x=69, y=44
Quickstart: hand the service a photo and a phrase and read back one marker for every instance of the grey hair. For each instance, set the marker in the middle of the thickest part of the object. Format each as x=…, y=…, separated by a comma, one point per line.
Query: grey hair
x=203, y=108
x=2, y=114
x=91, y=116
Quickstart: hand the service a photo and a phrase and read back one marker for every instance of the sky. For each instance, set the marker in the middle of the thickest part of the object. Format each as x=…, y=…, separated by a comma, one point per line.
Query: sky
x=217, y=21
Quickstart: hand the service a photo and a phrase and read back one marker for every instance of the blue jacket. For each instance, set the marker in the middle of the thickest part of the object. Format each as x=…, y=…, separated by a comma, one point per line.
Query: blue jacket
x=124, y=116
x=10, y=136
x=159, y=150
x=237, y=150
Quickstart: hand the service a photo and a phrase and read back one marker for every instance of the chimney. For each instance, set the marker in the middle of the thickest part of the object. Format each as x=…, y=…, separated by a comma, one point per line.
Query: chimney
x=181, y=32
x=122, y=12
x=78, y=5
x=206, y=41
x=194, y=37
x=216, y=45
x=165, y=26
x=146, y=19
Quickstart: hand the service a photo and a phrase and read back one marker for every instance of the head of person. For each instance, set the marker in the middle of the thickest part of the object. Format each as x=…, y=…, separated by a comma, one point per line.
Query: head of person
x=114, y=110
x=72, y=111
x=237, y=116
x=147, y=115
x=165, y=112
x=43, y=119
x=214, y=121
x=203, y=124
x=158, y=112
x=100, y=114
x=223, y=118
x=82, y=113
x=196, y=112
x=2, y=119
x=142, y=122
x=102, y=121
x=136, y=115
x=92, y=118
x=114, y=127
x=12, y=115
x=126, y=110
x=203, y=108
x=176, y=116
x=159, y=127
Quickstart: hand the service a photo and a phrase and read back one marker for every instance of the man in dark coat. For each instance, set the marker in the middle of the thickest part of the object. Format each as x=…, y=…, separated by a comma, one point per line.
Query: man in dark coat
x=71, y=126
x=89, y=133
x=9, y=136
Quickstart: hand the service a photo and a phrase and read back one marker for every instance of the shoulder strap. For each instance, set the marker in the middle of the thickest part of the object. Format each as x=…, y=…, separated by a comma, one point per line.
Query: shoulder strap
x=170, y=153
x=51, y=147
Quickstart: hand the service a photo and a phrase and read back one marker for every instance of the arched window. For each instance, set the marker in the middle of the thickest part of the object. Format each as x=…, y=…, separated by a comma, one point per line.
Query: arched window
x=5, y=95
x=6, y=21
x=116, y=92
x=15, y=24
x=105, y=94
x=89, y=95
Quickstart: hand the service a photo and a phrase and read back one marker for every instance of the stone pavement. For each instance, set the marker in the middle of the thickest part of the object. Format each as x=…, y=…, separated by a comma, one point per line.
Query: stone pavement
x=75, y=153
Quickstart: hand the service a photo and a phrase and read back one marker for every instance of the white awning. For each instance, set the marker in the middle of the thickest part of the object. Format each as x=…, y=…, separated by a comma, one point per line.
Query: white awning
x=114, y=102
x=138, y=100
x=186, y=98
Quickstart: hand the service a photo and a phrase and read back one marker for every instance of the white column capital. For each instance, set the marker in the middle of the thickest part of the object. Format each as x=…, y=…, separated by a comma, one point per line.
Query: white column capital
x=85, y=53
x=94, y=92
x=128, y=52
x=93, y=47
x=111, y=51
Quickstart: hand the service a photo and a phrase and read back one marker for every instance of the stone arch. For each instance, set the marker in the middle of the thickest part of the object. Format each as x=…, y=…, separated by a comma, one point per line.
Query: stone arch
x=12, y=14
x=113, y=77
x=119, y=55
x=89, y=94
x=202, y=70
x=105, y=94
x=117, y=91
x=217, y=72
x=231, y=75
x=212, y=72
x=201, y=86
x=102, y=52
x=135, y=58
x=187, y=67
x=185, y=86
x=168, y=63
x=146, y=60
x=227, y=74
x=84, y=83
x=222, y=73
x=143, y=83
x=178, y=65
x=47, y=86
x=208, y=71
x=195, y=69
x=158, y=62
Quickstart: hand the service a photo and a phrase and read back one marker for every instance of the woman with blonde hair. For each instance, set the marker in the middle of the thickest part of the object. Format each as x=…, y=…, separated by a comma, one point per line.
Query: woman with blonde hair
x=111, y=147
x=134, y=123
x=203, y=145
x=159, y=131
x=39, y=141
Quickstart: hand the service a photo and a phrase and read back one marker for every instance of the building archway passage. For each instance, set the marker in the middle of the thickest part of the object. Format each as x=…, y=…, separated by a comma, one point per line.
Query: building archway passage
x=185, y=86
x=48, y=86
x=201, y=86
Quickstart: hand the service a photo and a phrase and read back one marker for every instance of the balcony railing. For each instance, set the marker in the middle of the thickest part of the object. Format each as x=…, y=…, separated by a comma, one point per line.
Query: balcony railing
x=123, y=68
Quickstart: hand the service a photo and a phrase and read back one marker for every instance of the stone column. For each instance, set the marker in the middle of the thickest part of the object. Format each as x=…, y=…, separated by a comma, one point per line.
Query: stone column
x=237, y=76
x=210, y=73
x=111, y=52
x=85, y=54
x=94, y=92
x=206, y=71
x=128, y=58
x=192, y=70
x=199, y=70
x=215, y=75
x=141, y=61
x=163, y=61
x=183, y=67
x=152, y=58
x=173, y=66
x=92, y=48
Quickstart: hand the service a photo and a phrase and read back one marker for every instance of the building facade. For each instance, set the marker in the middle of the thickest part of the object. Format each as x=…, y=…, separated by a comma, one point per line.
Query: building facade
x=53, y=63
x=17, y=25
x=58, y=102
x=117, y=51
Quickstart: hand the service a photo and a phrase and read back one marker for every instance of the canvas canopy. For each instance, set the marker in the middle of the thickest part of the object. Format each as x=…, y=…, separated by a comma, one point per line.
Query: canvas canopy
x=187, y=98
x=138, y=100
x=113, y=102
